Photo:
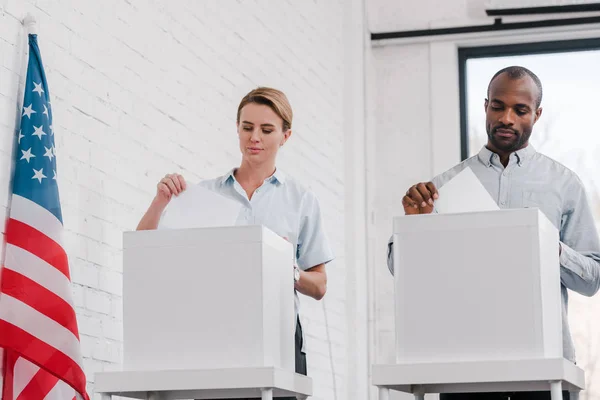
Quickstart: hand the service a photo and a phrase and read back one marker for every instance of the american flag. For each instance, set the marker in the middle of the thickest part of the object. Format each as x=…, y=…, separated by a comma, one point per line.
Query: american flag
x=38, y=326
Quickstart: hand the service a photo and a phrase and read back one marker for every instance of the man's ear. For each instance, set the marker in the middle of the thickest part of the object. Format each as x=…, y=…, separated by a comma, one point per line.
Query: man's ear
x=538, y=114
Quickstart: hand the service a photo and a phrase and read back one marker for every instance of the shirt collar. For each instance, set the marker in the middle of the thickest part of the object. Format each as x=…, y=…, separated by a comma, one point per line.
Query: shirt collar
x=523, y=155
x=278, y=176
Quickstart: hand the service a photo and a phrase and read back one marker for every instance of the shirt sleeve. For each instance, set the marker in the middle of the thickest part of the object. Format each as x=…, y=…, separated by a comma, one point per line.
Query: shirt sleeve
x=313, y=245
x=390, y=255
x=580, y=247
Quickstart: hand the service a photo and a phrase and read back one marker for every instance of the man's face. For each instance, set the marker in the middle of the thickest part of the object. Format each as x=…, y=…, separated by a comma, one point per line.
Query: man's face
x=511, y=111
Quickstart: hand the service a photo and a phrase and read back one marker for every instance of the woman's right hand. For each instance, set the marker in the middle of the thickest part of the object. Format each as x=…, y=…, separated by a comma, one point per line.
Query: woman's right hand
x=171, y=184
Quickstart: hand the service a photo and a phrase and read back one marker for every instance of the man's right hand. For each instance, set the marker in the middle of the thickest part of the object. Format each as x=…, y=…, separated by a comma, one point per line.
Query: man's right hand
x=419, y=198
x=171, y=184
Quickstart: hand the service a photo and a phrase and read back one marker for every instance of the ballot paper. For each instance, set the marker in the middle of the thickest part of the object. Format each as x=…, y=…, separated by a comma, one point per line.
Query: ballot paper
x=464, y=193
x=198, y=207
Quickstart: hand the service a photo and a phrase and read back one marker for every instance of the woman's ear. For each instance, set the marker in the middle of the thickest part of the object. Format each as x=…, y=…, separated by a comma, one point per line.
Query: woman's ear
x=286, y=136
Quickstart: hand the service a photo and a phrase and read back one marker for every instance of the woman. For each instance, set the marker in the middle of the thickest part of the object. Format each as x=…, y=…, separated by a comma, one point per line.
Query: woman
x=269, y=197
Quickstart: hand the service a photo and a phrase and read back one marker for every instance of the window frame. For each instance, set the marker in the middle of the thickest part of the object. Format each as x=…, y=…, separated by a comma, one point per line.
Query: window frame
x=506, y=50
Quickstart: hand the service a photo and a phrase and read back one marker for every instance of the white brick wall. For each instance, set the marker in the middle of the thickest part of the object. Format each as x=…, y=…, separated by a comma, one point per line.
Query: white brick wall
x=146, y=87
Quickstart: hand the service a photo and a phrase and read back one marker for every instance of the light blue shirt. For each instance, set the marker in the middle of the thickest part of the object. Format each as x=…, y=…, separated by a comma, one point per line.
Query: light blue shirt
x=285, y=207
x=533, y=180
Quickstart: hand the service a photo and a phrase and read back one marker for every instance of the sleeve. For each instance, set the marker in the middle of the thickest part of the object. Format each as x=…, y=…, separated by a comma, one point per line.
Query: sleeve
x=313, y=245
x=390, y=255
x=580, y=247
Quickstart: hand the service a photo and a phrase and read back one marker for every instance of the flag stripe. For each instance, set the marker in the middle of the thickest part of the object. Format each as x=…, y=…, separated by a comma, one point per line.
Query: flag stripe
x=38, y=325
x=35, y=242
x=60, y=391
x=41, y=353
x=30, y=213
x=39, y=298
x=23, y=372
x=38, y=270
x=39, y=386
x=10, y=359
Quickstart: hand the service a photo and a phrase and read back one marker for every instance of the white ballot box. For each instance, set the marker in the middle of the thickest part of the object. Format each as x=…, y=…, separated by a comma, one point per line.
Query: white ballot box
x=208, y=298
x=477, y=286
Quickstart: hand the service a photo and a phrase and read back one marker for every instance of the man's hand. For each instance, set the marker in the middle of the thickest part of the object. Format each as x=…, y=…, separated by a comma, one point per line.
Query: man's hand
x=419, y=198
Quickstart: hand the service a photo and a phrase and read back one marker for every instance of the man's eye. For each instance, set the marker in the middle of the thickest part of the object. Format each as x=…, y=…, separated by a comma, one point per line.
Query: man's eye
x=267, y=132
x=247, y=128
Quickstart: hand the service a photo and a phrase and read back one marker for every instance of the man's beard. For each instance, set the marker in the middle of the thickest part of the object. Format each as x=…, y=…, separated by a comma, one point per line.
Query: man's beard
x=520, y=139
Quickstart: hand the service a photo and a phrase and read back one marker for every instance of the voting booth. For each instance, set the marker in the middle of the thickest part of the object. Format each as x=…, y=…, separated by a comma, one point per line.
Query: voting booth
x=477, y=286
x=477, y=305
x=208, y=308
x=208, y=298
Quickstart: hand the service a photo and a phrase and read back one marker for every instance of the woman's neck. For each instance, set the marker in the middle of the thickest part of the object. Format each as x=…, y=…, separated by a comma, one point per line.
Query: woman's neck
x=251, y=176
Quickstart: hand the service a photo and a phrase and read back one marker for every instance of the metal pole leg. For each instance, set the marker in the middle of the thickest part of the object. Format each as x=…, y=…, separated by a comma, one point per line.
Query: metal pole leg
x=153, y=396
x=419, y=393
x=266, y=394
x=556, y=390
x=384, y=393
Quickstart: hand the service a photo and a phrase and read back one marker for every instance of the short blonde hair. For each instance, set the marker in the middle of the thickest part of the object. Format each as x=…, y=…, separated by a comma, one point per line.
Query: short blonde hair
x=274, y=99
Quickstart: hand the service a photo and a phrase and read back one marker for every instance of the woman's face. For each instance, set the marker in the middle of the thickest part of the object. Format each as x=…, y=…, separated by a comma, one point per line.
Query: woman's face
x=261, y=133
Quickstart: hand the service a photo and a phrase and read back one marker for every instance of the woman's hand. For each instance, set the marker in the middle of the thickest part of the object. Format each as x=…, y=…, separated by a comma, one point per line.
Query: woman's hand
x=171, y=184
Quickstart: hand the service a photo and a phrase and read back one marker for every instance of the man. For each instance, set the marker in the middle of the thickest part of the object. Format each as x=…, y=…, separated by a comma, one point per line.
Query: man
x=517, y=176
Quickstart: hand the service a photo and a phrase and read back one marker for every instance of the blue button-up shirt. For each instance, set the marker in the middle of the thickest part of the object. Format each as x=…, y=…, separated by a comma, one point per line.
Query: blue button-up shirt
x=533, y=180
x=285, y=207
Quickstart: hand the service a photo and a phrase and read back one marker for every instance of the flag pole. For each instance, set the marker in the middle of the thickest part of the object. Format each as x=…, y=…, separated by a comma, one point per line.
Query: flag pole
x=30, y=24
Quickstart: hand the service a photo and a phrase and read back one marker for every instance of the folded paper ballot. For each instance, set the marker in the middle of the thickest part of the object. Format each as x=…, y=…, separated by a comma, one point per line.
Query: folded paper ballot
x=464, y=193
x=198, y=207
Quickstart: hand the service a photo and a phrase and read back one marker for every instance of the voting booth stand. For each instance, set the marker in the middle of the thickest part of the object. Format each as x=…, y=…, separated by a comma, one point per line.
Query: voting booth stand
x=477, y=306
x=208, y=313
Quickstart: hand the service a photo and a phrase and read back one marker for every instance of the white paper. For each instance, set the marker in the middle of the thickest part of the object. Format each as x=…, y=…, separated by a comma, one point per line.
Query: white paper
x=464, y=193
x=198, y=207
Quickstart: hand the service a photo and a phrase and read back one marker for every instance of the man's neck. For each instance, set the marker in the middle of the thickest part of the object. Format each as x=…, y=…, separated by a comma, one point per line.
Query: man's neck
x=504, y=156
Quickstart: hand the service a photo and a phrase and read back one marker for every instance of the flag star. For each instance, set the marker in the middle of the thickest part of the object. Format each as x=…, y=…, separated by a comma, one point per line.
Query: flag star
x=46, y=111
x=48, y=153
x=20, y=137
x=51, y=128
x=38, y=131
x=38, y=174
x=28, y=111
x=54, y=177
x=38, y=88
x=27, y=155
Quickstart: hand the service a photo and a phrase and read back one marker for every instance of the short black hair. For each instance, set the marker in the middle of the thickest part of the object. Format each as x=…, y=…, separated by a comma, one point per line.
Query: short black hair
x=517, y=72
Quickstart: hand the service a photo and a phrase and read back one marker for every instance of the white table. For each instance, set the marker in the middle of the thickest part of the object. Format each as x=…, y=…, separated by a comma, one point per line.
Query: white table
x=231, y=383
x=555, y=375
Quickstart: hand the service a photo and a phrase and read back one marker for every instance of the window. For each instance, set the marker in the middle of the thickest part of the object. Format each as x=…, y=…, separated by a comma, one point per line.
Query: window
x=568, y=131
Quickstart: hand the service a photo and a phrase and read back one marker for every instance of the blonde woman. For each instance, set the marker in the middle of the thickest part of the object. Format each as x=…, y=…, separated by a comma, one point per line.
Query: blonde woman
x=269, y=196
